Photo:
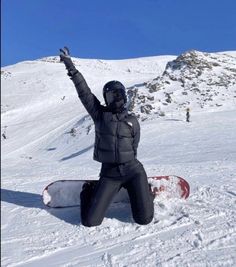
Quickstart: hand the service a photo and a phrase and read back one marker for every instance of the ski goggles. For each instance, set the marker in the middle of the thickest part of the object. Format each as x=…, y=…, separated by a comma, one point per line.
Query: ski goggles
x=114, y=96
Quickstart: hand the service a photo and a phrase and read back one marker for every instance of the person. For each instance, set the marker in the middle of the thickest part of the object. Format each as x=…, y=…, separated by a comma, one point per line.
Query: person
x=4, y=136
x=188, y=115
x=117, y=135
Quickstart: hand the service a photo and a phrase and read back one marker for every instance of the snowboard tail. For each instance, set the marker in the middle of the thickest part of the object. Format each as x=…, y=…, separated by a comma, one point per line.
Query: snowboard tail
x=170, y=186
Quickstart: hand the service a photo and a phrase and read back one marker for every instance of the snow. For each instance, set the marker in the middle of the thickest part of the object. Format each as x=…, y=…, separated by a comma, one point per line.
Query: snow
x=39, y=109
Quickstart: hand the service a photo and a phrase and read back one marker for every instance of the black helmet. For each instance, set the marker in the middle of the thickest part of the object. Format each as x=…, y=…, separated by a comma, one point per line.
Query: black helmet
x=114, y=86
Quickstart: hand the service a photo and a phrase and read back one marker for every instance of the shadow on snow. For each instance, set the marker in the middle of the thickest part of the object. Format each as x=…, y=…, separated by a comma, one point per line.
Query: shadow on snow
x=77, y=153
x=119, y=211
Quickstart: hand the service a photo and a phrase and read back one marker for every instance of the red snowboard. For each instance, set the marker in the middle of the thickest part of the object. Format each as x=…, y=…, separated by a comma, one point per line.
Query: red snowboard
x=66, y=193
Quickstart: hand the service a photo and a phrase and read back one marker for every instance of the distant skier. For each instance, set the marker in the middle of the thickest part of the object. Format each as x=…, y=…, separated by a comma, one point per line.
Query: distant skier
x=117, y=136
x=4, y=136
x=188, y=115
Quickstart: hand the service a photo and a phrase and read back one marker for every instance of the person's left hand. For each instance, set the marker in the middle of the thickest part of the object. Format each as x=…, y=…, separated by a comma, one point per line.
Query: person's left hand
x=66, y=59
x=64, y=53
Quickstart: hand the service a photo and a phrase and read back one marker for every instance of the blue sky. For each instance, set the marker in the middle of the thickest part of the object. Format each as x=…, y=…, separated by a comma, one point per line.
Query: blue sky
x=109, y=29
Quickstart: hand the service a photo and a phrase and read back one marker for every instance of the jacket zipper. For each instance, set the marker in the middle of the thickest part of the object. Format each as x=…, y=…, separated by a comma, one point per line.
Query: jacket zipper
x=116, y=141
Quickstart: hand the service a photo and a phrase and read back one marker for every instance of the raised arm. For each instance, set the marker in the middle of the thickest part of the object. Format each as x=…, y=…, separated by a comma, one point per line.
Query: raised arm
x=88, y=99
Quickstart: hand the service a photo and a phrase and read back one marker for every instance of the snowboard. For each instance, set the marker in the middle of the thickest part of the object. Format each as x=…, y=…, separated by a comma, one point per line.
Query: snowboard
x=66, y=193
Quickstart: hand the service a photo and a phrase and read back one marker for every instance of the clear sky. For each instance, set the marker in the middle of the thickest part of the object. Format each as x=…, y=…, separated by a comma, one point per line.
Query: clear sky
x=115, y=29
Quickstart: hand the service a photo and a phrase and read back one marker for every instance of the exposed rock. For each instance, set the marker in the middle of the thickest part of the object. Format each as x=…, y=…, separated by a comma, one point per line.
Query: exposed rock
x=193, y=77
x=5, y=74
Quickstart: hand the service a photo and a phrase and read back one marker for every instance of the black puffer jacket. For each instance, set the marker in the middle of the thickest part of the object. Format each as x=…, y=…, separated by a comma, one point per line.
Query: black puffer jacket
x=116, y=135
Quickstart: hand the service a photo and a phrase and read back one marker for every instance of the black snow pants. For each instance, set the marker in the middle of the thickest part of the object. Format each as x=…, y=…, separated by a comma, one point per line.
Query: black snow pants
x=96, y=198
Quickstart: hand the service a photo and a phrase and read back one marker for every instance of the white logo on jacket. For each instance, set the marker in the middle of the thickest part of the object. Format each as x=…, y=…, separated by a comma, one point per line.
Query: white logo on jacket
x=130, y=123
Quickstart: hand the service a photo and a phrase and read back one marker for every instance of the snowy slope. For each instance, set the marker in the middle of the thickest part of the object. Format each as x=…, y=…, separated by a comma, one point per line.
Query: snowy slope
x=49, y=136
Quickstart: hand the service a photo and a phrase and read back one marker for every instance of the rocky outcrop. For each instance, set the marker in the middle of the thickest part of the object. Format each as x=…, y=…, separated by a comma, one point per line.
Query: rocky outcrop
x=194, y=79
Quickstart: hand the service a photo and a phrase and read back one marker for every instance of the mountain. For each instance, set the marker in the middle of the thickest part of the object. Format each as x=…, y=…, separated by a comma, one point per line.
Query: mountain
x=194, y=80
x=47, y=135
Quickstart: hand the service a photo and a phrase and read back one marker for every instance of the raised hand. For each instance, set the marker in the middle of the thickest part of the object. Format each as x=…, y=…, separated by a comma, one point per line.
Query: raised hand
x=64, y=53
x=66, y=59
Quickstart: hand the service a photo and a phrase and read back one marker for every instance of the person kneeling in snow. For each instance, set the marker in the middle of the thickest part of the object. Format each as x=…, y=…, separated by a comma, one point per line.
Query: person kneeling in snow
x=117, y=136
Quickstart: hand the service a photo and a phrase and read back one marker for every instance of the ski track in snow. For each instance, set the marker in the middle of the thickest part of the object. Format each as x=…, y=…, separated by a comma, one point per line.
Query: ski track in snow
x=200, y=231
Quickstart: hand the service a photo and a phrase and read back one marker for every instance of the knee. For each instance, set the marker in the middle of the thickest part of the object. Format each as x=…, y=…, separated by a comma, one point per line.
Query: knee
x=144, y=215
x=89, y=222
x=144, y=220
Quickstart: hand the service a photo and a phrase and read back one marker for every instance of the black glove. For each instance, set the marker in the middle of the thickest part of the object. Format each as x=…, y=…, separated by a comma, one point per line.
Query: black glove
x=66, y=59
